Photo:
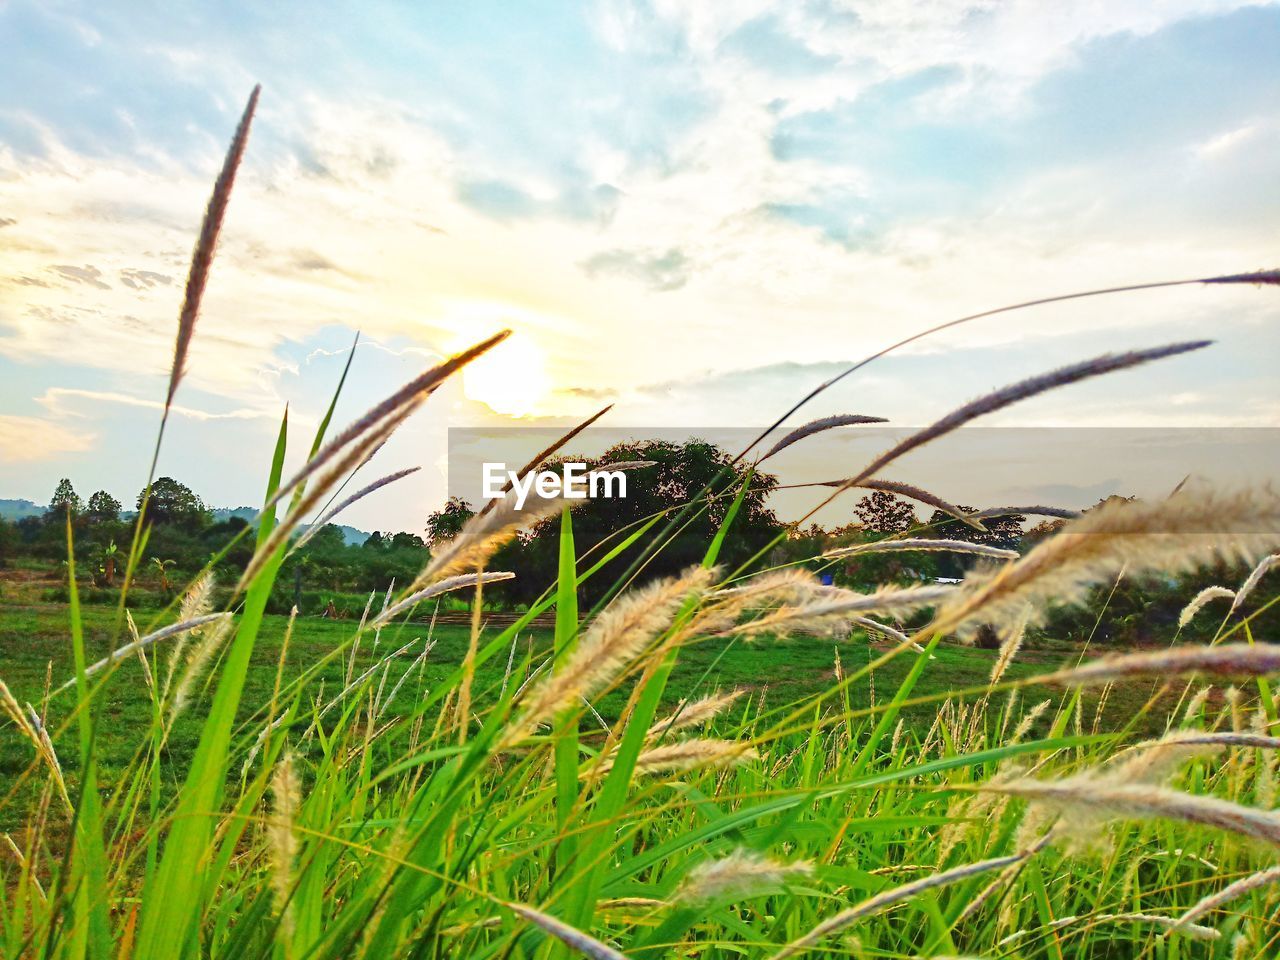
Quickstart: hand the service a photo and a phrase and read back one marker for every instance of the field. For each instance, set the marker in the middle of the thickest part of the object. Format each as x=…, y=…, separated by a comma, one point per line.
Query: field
x=33, y=645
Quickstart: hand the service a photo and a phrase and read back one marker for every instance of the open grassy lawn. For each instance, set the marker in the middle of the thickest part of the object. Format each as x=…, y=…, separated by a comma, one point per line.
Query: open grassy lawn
x=35, y=645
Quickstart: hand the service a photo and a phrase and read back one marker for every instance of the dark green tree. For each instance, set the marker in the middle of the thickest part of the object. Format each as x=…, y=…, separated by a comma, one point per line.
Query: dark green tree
x=103, y=507
x=882, y=512
x=64, y=500
x=445, y=523
x=174, y=504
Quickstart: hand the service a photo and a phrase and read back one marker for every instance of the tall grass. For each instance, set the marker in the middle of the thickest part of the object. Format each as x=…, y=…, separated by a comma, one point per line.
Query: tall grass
x=389, y=818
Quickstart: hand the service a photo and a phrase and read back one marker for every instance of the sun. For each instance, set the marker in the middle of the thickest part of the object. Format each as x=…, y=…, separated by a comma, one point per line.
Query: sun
x=510, y=379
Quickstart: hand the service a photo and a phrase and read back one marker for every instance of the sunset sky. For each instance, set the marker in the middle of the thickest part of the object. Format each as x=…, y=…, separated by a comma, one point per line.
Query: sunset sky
x=695, y=210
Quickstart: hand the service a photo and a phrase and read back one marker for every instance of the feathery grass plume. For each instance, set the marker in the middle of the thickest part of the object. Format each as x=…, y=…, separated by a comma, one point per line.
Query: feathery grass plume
x=282, y=836
x=1057, y=512
x=897, y=636
x=1029, y=720
x=694, y=714
x=202, y=256
x=459, y=582
x=1009, y=648
x=30, y=726
x=1259, y=277
x=924, y=545
x=482, y=535
x=686, y=755
x=887, y=898
x=1192, y=930
x=397, y=405
x=147, y=676
x=164, y=633
x=571, y=937
x=1258, y=572
x=417, y=663
x=920, y=495
x=841, y=606
x=318, y=524
x=609, y=645
x=542, y=455
x=1196, y=704
x=818, y=426
x=1225, y=660
x=1168, y=536
x=196, y=602
x=726, y=606
x=1200, y=601
x=1022, y=390
x=742, y=873
x=1087, y=799
x=1255, y=881
x=197, y=660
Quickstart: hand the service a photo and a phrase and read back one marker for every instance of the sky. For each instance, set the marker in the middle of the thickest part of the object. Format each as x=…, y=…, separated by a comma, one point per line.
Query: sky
x=695, y=211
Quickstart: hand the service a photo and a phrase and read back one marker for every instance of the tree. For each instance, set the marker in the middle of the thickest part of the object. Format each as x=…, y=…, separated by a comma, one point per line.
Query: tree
x=103, y=507
x=882, y=512
x=175, y=504
x=1002, y=531
x=445, y=523
x=65, y=501
x=411, y=541
x=679, y=472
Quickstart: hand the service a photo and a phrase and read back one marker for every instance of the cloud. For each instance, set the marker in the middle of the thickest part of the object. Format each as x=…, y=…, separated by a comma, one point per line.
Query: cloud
x=32, y=439
x=55, y=399
x=7, y=221
x=86, y=274
x=669, y=270
x=144, y=279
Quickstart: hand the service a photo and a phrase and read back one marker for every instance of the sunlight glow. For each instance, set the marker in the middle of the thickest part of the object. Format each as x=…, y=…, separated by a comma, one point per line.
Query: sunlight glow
x=511, y=378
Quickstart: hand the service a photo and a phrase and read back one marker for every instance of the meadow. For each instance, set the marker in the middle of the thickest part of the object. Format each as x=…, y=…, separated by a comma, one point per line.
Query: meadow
x=717, y=763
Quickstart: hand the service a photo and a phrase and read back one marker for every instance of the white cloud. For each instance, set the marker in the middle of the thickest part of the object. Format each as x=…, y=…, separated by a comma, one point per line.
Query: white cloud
x=32, y=439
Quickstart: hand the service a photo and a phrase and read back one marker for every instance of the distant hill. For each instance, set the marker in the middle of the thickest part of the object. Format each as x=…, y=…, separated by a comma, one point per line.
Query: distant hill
x=17, y=509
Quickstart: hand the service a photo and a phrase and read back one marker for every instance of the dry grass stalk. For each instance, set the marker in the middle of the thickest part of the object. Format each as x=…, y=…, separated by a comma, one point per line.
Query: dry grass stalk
x=695, y=714
x=920, y=495
x=197, y=660
x=684, y=755
x=1258, y=572
x=818, y=426
x=31, y=727
x=1166, y=536
x=888, y=898
x=897, y=636
x=164, y=633
x=609, y=645
x=1226, y=660
x=398, y=405
x=1231, y=891
x=1108, y=363
x=1260, y=277
x=318, y=524
x=916, y=543
x=840, y=606
x=1034, y=511
x=1201, y=600
x=282, y=837
x=1029, y=720
x=196, y=602
x=571, y=937
x=540, y=457
x=1086, y=799
x=741, y=874
x=1192, y=930
x=1195, y=705
x=1009, y=648
x=482, y=536
x=441, y=586
x=206, y=243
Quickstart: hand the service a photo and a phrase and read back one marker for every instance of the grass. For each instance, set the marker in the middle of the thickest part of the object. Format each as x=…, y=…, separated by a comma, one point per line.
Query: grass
x=900, y=807
x=33, y=646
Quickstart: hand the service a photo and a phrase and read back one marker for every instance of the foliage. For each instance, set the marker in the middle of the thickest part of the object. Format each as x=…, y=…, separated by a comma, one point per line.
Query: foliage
x=64, y=502
x=882, y=512
x=445, y=523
